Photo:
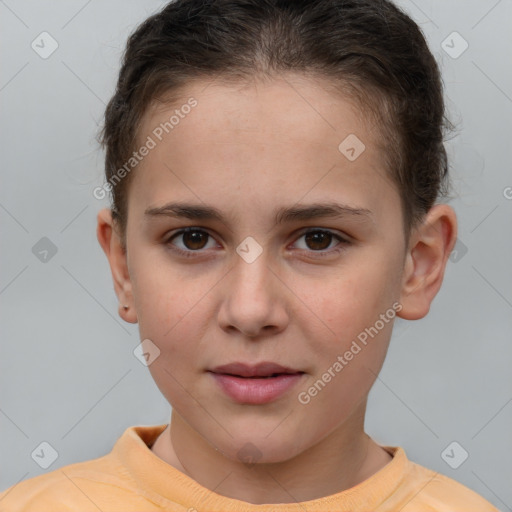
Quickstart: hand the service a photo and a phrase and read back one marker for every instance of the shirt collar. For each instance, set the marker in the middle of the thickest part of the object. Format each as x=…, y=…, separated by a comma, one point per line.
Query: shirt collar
x=166, y=484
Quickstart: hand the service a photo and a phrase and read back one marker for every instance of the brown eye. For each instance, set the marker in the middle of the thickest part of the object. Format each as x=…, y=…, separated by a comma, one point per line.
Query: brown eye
x=319, y=243
x=191, y=240
x=318, y=240
x=194, y=240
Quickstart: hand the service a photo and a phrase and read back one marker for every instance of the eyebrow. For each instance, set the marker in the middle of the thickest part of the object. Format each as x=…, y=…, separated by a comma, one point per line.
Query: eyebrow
x=281, y=216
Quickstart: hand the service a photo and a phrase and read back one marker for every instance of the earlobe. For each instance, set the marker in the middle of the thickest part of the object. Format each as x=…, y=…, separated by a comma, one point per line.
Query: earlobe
x=429, y=248
x=110, y=242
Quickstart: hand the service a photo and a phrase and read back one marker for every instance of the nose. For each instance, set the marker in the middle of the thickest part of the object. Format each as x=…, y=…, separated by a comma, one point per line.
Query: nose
x=254, y=299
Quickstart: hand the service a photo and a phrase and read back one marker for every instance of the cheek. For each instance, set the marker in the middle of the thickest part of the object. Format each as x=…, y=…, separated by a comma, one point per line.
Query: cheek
x=167, y=303
x=169, y=312
x=352, y=307
x=351, y=303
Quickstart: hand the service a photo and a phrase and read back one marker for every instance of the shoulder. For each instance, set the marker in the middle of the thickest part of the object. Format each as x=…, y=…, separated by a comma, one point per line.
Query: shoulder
x=104, y=483
x=432, y=491
x=71, y=487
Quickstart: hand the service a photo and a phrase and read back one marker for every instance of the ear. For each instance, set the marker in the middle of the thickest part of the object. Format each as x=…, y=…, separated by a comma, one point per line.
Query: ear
x=430, y=245
x=110, y=242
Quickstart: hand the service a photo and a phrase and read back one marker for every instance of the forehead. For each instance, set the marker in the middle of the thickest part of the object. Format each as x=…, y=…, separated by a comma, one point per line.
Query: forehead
x=298, y=107
x=291, y=136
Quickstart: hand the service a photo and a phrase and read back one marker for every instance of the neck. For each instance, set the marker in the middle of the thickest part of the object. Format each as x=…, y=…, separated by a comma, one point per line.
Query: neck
x=343, y=459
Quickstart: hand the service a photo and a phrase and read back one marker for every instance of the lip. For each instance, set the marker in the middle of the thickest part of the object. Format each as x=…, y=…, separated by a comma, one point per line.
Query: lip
x=253, y=384
x=263, y=369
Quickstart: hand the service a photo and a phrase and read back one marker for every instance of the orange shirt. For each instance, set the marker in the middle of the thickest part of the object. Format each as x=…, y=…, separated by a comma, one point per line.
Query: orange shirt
x=132, y=478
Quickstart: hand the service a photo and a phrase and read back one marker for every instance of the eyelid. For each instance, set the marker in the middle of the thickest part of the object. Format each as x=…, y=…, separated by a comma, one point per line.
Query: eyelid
x=169, y=237
x=341, y=235
x=343, y=242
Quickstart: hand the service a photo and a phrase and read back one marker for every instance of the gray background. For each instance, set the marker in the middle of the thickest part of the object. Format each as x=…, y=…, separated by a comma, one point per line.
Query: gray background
x=68, y=375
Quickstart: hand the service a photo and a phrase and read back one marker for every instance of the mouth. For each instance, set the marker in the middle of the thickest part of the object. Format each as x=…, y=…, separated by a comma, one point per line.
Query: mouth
x=255, y=384
x=264, y=369
x=259, y=377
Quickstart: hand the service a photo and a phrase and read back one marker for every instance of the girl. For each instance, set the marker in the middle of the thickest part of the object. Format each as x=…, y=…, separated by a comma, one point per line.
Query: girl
x=274, y=168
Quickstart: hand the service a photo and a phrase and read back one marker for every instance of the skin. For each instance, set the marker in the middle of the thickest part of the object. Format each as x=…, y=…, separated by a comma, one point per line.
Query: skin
x=247, y=149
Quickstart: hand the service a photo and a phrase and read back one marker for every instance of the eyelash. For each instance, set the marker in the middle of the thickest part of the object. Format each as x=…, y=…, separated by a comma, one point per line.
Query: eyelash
x=318, y=254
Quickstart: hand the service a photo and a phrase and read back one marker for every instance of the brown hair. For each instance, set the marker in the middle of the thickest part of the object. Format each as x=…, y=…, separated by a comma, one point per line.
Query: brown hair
x=368, y=48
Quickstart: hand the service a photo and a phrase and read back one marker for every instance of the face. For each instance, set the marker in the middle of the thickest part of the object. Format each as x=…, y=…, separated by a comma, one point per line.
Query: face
x=267, y=278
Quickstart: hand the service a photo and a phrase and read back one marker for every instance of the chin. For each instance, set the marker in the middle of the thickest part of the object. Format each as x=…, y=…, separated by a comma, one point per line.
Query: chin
x=258, y=447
